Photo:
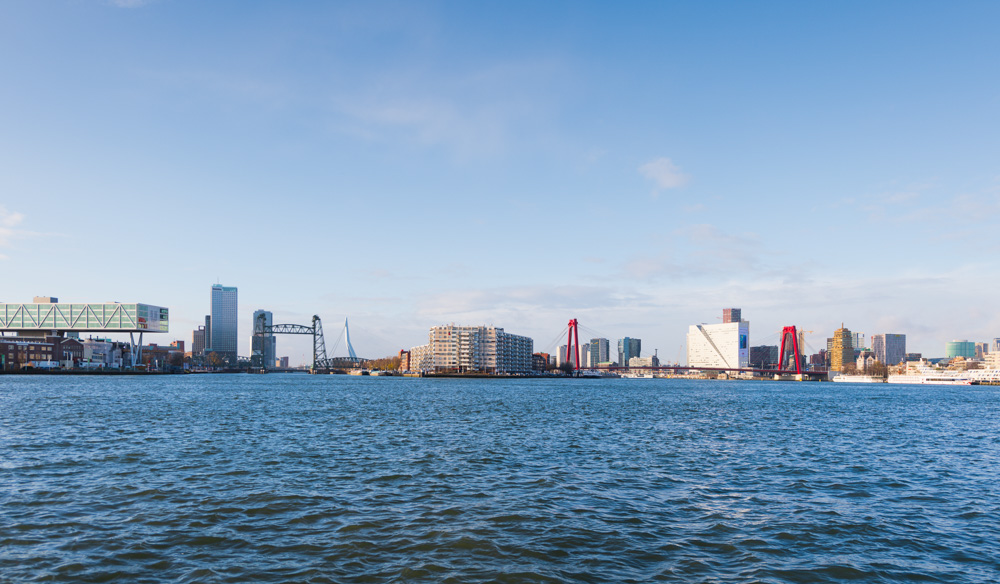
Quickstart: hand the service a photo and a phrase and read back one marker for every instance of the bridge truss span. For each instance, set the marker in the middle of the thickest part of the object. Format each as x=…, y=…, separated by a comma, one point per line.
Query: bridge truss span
x=321, y=362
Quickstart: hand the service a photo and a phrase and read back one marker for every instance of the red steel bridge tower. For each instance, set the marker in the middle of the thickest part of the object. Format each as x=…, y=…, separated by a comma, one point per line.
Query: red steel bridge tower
x=573, y=342
x=789, y=331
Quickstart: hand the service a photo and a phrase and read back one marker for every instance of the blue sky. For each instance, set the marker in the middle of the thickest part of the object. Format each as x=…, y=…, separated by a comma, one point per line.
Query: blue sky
x=638, y=166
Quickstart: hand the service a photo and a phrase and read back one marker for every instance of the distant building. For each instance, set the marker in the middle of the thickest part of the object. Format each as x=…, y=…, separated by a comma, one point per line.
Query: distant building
x=208, y=334
x=764, y=357
x=224, y=322
x=725, y=345
x=981, y=350
x=562, y=357
x=540, y=361
x=842, y=349
x=865, y=360
x=161, y=358
x=269, y=350
x=473, y=349
x=628, y=348
x=600, y=351
x=16, y=354
x=914, y=357
x=858, y=341
x=283, y=363
x=731, y=315
x=101, y=354
x=198, y=342
x=404, y=360
x=642, y=362
x=962, y=348
x=889, y=349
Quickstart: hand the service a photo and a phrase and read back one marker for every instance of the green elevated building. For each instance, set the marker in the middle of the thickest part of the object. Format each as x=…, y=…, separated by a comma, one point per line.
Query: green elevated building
x=63, y=317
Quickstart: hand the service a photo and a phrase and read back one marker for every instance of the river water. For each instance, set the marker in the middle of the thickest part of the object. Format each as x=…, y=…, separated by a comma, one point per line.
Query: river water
x=296, y=478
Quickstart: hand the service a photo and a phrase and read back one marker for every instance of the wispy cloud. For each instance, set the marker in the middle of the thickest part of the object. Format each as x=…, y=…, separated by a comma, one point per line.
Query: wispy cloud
x=10, y=230
x=130, y=3
x=664, y=174
x=9, y=220
x=696, y=251
x=471, y=113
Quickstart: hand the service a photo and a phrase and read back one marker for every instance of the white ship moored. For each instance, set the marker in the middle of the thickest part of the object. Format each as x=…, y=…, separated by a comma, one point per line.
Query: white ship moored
x=858, y=379
x=921, y=373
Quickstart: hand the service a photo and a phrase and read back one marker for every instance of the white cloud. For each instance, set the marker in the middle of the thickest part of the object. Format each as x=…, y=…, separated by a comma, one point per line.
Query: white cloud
x=8, y=221
x=664, y=173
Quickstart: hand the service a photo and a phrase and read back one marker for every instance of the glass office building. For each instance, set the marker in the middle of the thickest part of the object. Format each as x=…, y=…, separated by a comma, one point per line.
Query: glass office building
x=224, y=322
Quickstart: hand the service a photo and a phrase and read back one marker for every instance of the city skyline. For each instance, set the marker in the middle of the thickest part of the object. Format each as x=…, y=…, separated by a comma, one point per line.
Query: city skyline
x=413, y=164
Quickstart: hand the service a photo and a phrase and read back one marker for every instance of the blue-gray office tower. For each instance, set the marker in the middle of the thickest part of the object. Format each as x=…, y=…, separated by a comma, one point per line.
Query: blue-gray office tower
x=628, y=348
x=224, y=308
x=270, y=349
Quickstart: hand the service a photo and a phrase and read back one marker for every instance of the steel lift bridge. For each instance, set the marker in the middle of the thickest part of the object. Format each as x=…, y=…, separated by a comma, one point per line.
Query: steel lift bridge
x=321, y=362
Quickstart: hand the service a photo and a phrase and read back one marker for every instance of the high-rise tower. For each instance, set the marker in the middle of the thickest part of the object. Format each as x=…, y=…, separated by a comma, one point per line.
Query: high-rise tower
x=842, y=349
x=270, y=349
x=224, y=322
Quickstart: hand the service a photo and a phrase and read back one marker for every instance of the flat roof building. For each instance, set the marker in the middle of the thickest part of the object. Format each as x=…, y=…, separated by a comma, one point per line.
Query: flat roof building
x=63, y=317
x=224, y=322
x=725, y=345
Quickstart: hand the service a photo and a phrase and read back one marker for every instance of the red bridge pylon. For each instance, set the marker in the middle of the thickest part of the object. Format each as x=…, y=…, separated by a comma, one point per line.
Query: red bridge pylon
x=573, y=342
x=794, y=346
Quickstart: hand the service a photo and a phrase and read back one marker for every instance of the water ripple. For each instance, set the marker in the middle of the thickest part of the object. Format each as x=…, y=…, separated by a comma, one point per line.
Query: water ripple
x=287, y=478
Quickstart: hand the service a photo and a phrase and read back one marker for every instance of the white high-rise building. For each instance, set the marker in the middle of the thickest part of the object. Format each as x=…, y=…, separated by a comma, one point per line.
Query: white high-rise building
x=224, y=322
x=725, y=345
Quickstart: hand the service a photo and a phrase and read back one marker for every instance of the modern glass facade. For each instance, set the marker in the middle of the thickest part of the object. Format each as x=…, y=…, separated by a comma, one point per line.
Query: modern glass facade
x=269, y=351
x=224, y=321
x=628, y=348
x=965, y=349
x=889, y=348
x=600, y=351
x=105, y=317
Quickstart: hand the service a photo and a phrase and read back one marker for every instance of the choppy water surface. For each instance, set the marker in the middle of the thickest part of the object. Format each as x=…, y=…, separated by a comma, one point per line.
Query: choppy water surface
x=295, y=478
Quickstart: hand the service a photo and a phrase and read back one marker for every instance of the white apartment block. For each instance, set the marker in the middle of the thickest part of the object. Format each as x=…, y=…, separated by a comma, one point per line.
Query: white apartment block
x=473, y=348
x=725, y=345
x=421, y=358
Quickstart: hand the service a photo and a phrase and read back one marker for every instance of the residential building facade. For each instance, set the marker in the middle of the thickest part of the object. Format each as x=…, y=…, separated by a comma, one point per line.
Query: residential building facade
x=483, y=349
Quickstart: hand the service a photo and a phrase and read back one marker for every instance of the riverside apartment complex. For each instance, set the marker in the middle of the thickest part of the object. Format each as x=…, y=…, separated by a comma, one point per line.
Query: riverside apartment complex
x=466, y=349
